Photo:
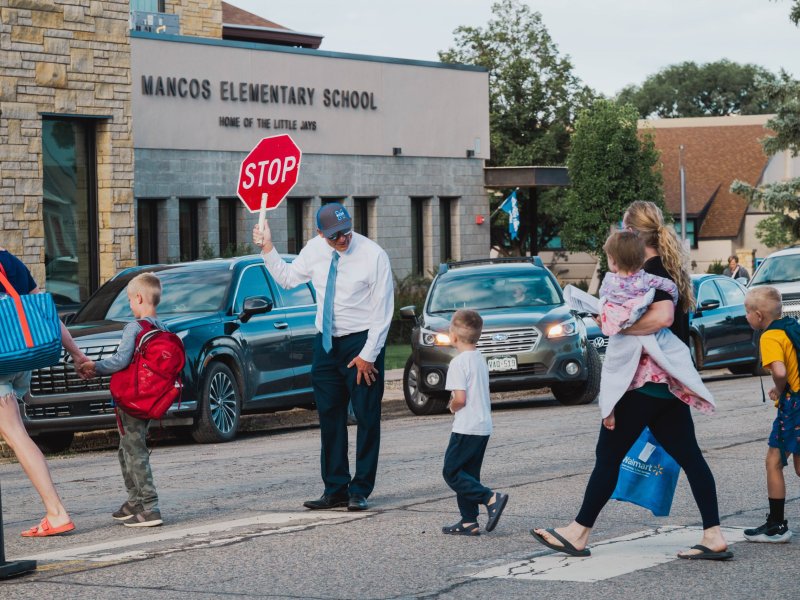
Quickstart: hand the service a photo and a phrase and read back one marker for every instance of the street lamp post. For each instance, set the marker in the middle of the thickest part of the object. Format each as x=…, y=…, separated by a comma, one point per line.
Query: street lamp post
x=683, y=194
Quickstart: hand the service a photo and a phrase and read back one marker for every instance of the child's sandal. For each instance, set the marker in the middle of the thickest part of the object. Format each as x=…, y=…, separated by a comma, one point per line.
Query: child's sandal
x=461, y=529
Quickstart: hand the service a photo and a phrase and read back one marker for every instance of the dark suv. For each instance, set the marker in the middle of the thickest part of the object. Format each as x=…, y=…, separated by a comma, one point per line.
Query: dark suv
x=530, y=338
x=248, y=349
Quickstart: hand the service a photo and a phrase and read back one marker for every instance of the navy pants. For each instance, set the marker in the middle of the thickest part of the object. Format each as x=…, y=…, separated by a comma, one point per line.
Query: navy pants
x=462, y=472
x=334, y=387
x=671, y=423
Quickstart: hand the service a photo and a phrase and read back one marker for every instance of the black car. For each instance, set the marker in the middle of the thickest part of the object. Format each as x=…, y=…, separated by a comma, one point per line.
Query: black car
x=248, y=349
x=720, y=334
x=531, y=339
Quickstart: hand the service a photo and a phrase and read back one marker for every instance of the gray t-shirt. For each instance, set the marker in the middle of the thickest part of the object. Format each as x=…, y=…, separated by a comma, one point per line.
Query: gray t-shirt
x=127, y=345
x=468, y=372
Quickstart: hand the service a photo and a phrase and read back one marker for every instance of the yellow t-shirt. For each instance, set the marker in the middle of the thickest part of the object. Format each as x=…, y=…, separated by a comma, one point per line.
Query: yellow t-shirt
x=776, y=346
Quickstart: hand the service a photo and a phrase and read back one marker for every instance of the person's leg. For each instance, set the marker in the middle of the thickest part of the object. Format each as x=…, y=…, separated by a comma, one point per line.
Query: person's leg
x=366, y=400
x=331, y=397
x=462, y=470
x=631, y=415
x=673, y=427
x=122, y=455
x=137, y=461
x=30, y=458
x=776, y=484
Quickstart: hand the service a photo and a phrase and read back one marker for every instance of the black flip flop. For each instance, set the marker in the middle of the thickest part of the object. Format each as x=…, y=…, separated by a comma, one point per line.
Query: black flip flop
x=567, y=547
x=460, y=529
x=706, y=553
x=495, y=510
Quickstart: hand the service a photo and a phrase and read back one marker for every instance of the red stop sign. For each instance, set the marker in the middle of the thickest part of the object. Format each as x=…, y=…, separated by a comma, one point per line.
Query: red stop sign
x=271, y=168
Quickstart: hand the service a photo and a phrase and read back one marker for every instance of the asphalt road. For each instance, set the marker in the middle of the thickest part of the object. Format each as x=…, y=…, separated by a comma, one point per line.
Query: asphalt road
x=235, y=526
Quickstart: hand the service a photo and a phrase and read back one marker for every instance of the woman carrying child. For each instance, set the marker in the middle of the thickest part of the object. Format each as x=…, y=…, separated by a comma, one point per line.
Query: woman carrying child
x=651, y=405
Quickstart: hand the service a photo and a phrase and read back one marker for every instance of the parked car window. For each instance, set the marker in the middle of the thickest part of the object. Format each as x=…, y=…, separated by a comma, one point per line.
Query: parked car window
x=482, y=292
x=731, y=292
x=778, y=269
x=297, y=296
x=184, y=291
x=253, y=282
x=708, y=291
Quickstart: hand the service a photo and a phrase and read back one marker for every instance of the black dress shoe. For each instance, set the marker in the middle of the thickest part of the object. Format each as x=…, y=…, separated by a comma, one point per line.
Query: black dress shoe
x=325, y=502
x=357, y=502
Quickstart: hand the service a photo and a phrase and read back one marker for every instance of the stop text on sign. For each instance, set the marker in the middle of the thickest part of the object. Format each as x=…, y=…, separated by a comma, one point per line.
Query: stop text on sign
x=275, y=170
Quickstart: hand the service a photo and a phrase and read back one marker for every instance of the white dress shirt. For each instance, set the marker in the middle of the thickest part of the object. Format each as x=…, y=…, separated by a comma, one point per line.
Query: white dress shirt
x=364, y=297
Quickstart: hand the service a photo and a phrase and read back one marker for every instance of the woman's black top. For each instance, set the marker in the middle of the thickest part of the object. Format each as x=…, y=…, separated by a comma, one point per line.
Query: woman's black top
x=680, y=326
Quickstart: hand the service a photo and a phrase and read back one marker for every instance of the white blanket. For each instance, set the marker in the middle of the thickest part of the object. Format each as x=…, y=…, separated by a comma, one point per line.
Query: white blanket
x=622, y=360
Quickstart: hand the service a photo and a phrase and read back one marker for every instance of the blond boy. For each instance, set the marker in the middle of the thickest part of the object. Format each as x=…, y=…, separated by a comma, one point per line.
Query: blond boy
x=779, y=342
x=141, y=507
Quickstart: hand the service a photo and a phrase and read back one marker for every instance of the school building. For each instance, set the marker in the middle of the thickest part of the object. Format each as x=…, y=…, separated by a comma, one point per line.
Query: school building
x=123, y=126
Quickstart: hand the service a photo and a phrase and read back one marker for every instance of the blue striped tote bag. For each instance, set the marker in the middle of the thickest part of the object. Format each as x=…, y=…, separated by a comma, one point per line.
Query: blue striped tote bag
x=30, y=332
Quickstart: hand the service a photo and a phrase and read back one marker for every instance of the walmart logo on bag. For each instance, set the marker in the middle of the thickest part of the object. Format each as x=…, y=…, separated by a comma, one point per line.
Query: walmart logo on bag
x=642, y=468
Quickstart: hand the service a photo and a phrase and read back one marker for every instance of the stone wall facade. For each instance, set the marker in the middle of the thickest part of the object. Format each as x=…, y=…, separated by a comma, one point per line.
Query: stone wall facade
x=69, y=57
x=198, y=18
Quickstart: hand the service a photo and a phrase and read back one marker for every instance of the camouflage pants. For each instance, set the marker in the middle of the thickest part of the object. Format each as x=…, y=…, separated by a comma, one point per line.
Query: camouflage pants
x=134, y=459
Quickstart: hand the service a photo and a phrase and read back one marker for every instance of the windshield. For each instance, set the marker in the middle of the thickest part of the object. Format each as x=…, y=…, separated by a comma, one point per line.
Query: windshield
x=482, y=292
x=184, y=290
x=778, y=269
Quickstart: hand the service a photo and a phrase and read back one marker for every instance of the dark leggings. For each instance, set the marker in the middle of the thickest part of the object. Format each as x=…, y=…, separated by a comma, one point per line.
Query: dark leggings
x=671, y=423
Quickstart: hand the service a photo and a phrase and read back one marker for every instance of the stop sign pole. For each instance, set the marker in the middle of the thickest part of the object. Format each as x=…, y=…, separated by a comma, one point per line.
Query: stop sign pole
x=268, y=173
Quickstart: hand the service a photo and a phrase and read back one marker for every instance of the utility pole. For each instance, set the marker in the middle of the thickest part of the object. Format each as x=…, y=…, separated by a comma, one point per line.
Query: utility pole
x=683, y=194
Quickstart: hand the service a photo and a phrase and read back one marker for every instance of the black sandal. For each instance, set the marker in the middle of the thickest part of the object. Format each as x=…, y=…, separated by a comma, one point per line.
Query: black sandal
x=495, y=509
x=461, y=529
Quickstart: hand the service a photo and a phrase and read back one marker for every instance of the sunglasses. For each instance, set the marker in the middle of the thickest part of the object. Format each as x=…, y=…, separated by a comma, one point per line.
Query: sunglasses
x=335, y=236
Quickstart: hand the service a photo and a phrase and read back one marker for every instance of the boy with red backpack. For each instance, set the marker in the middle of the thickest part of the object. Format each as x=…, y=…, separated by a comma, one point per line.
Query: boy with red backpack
x=138, y=396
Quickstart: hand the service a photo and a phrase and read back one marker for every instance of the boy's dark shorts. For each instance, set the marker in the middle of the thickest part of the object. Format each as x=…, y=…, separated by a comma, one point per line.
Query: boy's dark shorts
x=786, y=427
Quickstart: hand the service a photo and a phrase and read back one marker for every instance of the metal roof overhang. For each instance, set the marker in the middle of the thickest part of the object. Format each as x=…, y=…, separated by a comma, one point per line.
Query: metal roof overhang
x=525, y=177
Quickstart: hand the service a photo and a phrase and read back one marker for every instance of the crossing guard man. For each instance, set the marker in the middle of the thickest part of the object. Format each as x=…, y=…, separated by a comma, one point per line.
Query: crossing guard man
x=355, y=302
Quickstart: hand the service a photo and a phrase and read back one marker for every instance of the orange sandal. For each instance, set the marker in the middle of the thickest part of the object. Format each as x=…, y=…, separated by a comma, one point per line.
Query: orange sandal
x=44, y=529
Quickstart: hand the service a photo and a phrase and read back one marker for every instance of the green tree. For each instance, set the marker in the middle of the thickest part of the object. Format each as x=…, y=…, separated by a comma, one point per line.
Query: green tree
x=712, y=89
x=610, y=165
x=782, y=199
x=533, y=97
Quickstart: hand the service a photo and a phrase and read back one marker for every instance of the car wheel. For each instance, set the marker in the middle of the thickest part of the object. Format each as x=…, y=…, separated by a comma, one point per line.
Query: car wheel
x=696, y=350
x=581, y=392
x=418, y=402
x=220, y=406
x=55, y=441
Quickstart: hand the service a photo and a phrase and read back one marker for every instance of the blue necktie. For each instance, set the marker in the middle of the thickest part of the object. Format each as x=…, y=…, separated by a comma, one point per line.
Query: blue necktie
x=327, y=308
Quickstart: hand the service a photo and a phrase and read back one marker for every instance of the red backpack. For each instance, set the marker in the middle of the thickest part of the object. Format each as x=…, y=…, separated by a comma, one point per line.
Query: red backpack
x=147, y=387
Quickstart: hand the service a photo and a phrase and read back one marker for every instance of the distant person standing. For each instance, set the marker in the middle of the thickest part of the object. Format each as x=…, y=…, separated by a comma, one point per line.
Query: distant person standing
x=355, y=302
x=734, y=269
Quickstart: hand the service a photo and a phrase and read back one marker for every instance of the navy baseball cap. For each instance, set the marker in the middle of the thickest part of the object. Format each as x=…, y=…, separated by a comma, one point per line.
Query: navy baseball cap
x=333, y=218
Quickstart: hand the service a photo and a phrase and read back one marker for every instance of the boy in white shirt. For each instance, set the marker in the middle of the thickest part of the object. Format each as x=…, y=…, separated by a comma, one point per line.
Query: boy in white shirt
x=468, y=381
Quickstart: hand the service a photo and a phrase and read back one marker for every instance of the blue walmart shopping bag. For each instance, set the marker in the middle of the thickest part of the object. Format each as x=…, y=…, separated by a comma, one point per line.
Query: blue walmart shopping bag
x=648, y=476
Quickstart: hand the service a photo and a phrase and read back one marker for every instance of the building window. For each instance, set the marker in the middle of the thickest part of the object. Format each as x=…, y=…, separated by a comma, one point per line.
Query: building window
x=228, y=218
x=69, y=209
x=189, y=229
x=328, y=199
x=361, y=214
x=418, y=235
x=446, y=208
x=147, y=231
x=295, y=208
x=148, y=5
x=690, y=231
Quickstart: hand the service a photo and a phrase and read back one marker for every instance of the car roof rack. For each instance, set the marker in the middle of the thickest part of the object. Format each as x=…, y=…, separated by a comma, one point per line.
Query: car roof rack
x=536, y=260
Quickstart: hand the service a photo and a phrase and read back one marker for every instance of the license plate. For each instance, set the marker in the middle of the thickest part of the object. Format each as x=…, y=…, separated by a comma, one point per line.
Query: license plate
x=502, y=363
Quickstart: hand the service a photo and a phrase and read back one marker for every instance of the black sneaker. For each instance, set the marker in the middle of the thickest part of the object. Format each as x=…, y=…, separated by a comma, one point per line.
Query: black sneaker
x=775, y=533
x=144, y=518
x=125, y=512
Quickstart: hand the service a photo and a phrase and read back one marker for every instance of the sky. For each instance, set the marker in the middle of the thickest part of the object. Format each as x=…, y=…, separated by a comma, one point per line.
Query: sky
x=612, y=43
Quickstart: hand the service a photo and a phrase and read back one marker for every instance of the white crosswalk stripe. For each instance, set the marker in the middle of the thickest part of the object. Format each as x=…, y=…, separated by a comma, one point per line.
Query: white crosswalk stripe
x=196, y=537
x=610, y=558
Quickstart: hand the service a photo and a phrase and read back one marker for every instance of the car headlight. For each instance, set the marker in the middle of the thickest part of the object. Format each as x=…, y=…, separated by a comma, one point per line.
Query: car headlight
x=568, y=327
x=433, y=338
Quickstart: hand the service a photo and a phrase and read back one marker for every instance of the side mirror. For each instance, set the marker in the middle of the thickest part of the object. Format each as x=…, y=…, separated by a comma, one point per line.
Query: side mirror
x=408, y=312
x=708, y=305
x=255, y=305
